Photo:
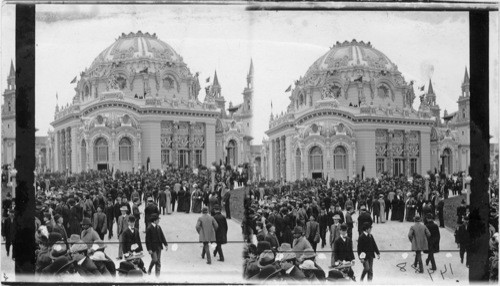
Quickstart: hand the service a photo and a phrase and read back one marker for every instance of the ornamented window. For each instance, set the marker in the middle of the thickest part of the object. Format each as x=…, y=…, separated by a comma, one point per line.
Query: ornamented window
x=165, y=157
x=383, y=91
x=121, y=81
x=315, y=158
x=168, y=83
x=125, y=149
x=381, y=143
x=413, y=166
x=231, y=153
x=447, y=165
x=398, y=167
x=339, y=158
x=101, y=150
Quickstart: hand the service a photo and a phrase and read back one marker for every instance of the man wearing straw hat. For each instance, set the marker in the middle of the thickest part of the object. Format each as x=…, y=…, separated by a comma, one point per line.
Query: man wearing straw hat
x=122, y=226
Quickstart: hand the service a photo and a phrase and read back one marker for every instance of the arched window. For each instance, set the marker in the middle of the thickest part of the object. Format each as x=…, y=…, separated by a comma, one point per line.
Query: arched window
x=316, y=158
x=463, y=113
x=383, y=91
x=447, y=161
x=121, y=81
x=125, y=149
x=101, y=150
x=10, y=106
x=231, y=153
x=339, y=158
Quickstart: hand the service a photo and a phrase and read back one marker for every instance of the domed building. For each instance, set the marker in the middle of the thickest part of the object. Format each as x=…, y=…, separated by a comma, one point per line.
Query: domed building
x=351, y=115
x=137, y=106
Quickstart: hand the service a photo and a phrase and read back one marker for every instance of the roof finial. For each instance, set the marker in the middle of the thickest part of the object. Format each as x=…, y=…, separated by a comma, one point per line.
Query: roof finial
x=430, y=90
x=12, y=70
x=466, y=76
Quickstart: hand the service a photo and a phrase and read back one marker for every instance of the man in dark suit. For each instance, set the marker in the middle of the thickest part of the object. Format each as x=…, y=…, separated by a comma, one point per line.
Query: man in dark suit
x=440, y=211
x=149, y=210
x=220, y=232
x=154, y=243
x=8, y=231
x=376, y=209
x=463, y=240
x=367, y=248
x=432, y=241
x=343, y=251
x=100, y=223
x=131, y=236
x=364, y=217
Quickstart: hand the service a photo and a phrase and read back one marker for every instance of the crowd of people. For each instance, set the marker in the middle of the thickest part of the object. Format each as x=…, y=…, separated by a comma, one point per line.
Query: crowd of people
x=285, y=223
x=76, y=216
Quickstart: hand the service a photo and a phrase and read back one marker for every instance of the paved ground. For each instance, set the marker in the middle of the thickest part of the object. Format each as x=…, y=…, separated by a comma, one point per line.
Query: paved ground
x=183, y=263
x=392, y=240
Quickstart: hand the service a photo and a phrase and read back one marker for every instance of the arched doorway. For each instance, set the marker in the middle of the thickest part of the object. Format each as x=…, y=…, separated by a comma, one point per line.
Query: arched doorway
x=298, y=164
x=125, y=151
x=83, y=152
x=232, y=154
x=101, y=156
x=316, y=162
x=340, y=163
x=447, y=161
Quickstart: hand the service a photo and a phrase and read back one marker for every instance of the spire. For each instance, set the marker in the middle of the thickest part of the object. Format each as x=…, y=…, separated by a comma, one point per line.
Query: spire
x=430, y=90
x=12, y=72
x=466, y=77
x=216, y=80
x=250, y=75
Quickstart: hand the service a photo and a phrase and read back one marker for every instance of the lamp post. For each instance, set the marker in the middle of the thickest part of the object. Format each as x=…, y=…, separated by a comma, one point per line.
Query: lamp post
x=468, y=179
x=427, y=178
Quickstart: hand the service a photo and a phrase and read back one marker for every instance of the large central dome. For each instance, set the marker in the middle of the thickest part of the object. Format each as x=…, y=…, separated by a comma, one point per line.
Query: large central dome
x=136, y=46
x=352, y=54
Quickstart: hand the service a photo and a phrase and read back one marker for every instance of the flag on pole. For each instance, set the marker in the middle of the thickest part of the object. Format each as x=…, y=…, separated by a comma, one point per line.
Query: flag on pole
x=289, y=88
x=271, y=104
x=57, y=96
x=422, y=87
x=144, y=70
x=359, y=79
x=208, y=79
x=74, y=80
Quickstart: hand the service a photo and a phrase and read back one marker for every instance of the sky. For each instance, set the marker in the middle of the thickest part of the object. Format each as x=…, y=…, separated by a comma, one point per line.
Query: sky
x=282, y=44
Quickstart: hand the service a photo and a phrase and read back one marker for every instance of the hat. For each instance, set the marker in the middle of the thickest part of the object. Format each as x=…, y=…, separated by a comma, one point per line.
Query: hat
x=59, y=249
x=262, y=246
x=125, y=267
x=343, y=227
x=54, y=237
x=204, y=210
x=78, y=247
x=98, y=256
x=54, y=267
x=417, y=218
x=285, y=247
x=98, y=245
x=308, y=264
x=381, y=195
x=57, y=217
x=265, y=258
x=366, y=226
x=86, y=221
x=336, y=217
x=298, y=230
x=466, y=217
x=266, y=273
x=429, y=216
x=74, y=238
x=334, y=275
x=154, y=217
x=124, y=208
x=150, y=199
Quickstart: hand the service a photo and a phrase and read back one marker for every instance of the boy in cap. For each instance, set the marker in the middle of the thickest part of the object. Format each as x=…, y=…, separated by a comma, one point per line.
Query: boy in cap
x=343, y=251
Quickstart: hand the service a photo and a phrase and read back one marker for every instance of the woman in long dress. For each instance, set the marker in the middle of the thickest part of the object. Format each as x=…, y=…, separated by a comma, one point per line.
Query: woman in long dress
x=197, y=200
x=382, y=208
x=169, y=200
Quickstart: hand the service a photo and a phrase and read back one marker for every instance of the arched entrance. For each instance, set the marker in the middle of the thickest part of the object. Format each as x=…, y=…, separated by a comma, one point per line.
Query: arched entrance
x=83, y=152
x=101, y=156
x=340, y=163
x=125, y=150
x=447, y=161
x=232, y=153
x=316, y=162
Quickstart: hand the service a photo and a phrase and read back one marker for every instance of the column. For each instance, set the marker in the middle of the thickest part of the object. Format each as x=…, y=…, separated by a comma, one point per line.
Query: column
x=151, y=145
x=56, y=152
x=112, y=161
x=270, y=161
x=389, y=151
x=283, y=158
x=174, y=144
x=406, y=140
x=425, y=152
x=191, y=144
x=366, y=155
x=210, y=144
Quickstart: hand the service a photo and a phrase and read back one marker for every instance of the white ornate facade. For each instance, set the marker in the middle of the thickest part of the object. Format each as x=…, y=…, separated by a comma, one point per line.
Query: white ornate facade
x=137, y=106
x=350, y=115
